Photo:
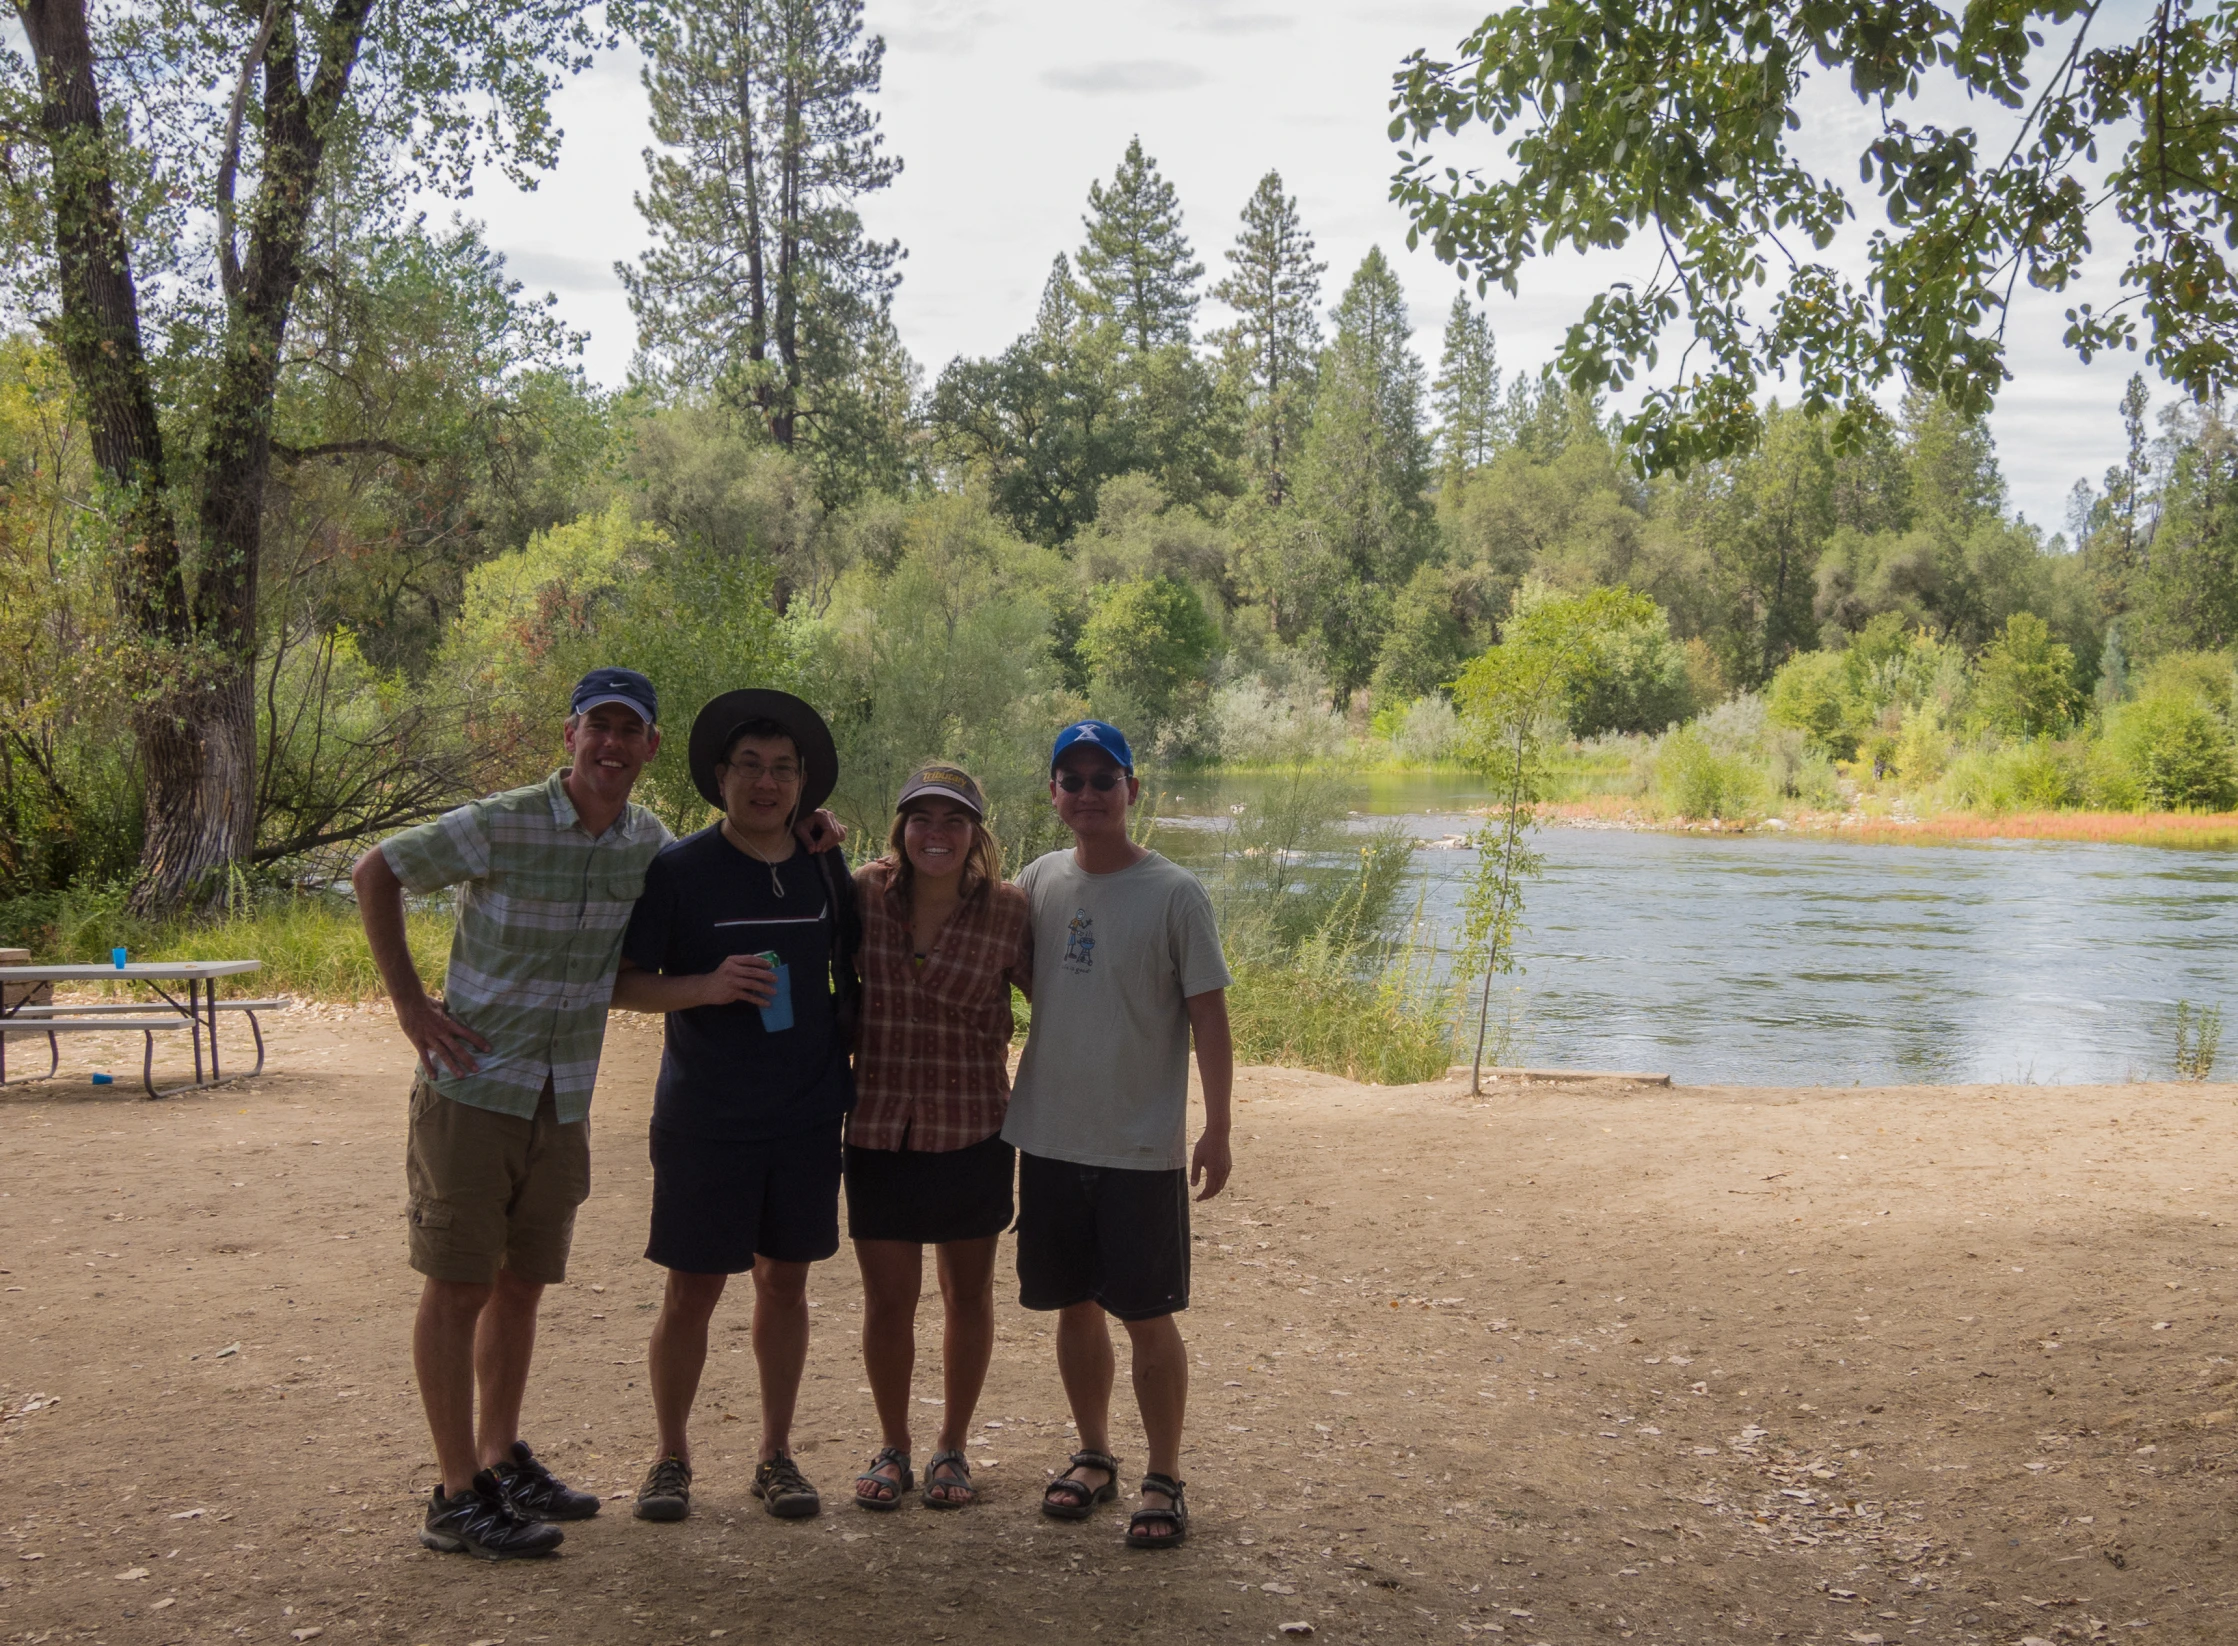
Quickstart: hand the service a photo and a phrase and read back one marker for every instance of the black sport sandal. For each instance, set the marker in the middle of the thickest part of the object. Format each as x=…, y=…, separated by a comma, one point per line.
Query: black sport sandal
x=1068, y=1499
x=1140, y=1533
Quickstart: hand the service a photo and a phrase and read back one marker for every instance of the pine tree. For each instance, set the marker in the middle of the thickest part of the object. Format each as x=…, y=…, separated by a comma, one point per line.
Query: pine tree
x=760, y=282
x=1274, y=286
x=1366, y=466
x=1136, y=267
x=1467, y=392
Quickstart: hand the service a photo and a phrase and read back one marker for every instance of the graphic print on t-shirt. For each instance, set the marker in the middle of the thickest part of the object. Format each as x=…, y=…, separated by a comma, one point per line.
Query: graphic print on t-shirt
x=1080, y=942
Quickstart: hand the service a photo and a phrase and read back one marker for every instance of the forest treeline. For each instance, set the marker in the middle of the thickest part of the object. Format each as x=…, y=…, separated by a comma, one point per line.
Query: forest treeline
x=1217, y=495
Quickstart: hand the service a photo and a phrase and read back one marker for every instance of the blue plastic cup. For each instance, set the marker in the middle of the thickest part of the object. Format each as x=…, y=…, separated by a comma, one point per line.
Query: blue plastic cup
x=117, y=955
x=104, y=1080
x=777, y=1016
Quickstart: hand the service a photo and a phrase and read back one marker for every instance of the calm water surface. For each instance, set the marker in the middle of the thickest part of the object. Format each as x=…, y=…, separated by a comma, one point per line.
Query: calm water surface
x=1770, y=961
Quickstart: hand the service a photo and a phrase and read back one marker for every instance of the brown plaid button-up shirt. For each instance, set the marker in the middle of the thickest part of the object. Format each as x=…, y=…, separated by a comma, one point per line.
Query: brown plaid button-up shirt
x=932, y=1071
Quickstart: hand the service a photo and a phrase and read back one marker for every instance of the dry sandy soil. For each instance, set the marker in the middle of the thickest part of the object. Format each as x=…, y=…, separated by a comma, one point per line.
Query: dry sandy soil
x=1564, y=1365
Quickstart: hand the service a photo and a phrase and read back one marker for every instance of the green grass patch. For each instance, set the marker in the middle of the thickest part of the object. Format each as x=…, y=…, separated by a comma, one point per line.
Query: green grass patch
x=309, y=945
x=1312, y=1015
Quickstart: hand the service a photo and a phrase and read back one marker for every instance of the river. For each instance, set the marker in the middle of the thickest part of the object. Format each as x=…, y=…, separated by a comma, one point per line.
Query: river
x=1763, y=960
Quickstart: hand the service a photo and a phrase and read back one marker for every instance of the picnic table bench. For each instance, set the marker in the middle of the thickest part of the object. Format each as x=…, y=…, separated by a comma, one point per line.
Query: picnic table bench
x=27, y=1010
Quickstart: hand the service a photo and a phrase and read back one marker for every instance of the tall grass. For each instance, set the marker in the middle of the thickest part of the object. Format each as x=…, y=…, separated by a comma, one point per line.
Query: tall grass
x=309, y=944
x=1306, y=917
x=1316, y=1012
x=2198, y=1040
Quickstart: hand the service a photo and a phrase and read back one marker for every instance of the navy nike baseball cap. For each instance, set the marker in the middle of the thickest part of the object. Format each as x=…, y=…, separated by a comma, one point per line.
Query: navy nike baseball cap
x=624, y=686
x=1095, y=734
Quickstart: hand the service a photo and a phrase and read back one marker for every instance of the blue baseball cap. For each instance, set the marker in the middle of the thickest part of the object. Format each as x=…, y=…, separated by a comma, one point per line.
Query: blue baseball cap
x=1096, y=734
x=624, y=686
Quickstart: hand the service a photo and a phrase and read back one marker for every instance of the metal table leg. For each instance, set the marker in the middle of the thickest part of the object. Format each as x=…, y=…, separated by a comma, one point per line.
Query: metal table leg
x=194, y=1027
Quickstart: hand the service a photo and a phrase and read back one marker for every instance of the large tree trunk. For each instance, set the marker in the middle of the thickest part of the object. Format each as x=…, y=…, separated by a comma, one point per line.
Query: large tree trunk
x=99, y=338
x=193, y=670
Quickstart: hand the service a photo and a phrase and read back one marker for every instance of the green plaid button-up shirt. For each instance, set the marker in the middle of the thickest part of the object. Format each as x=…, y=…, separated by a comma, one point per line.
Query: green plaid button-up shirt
x=541, y=910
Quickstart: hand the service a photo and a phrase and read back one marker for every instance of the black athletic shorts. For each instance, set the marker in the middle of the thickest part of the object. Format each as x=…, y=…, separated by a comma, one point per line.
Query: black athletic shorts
x=716, y=1206
x=1101, y=1234
x=931, y=1199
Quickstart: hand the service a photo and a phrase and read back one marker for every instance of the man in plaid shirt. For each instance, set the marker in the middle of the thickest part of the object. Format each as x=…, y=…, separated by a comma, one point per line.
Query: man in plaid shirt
x=499, y=1151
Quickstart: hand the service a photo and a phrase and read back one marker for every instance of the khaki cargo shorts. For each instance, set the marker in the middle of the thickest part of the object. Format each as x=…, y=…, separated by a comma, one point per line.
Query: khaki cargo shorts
x=491, y=1191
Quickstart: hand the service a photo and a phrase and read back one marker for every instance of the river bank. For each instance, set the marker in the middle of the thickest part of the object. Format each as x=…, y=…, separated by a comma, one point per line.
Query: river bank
x=1871, y=818
x=2197, y=831
x=1572, y=1364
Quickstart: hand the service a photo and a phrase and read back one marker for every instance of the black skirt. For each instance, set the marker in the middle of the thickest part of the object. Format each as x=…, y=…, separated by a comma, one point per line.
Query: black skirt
x=930, y=1199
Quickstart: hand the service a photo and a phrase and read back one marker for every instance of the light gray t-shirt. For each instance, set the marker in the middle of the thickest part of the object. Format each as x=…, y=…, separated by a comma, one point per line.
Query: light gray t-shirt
x=1105, y=1076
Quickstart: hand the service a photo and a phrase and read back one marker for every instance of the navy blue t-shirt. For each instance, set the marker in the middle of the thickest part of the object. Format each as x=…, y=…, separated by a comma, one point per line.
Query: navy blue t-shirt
x=724, y=1078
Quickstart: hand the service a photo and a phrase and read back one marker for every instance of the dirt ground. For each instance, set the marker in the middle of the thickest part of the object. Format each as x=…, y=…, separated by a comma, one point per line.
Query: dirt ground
x=1563, y=1365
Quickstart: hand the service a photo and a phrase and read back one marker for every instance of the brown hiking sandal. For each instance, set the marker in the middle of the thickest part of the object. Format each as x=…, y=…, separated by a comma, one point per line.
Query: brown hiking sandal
x=784, y=1490
x=667, y=1492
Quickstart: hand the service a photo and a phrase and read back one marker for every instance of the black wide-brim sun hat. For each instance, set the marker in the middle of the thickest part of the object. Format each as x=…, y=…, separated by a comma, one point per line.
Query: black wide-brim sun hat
x=718, y=724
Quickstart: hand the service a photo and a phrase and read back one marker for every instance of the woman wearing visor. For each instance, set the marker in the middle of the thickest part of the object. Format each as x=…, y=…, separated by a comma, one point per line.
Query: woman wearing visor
x=943, y=940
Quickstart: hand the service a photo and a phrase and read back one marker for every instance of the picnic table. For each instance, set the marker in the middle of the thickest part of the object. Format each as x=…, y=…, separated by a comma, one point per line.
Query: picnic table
x=26, y=1013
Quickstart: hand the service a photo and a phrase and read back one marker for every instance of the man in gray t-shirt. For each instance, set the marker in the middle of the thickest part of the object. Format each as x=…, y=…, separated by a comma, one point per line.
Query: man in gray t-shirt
x=1127, y=968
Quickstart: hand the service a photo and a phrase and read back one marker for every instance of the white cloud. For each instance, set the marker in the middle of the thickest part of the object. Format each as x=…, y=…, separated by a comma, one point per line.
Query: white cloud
x=1144, y=75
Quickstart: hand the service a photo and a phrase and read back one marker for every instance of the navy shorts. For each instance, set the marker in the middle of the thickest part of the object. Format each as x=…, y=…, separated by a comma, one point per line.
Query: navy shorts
x=717, y=1206
x=1102, y=1234
x=930, y=1199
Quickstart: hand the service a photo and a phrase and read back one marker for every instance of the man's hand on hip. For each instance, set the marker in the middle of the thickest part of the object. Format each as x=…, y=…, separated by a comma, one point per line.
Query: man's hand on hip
x=445, y=1045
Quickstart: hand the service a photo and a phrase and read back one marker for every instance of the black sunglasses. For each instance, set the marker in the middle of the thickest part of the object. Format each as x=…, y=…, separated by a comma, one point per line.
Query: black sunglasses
x=1101, y=782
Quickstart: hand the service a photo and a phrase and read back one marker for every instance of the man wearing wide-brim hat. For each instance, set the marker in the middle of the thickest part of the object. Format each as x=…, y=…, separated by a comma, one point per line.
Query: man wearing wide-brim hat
x=755, y=1078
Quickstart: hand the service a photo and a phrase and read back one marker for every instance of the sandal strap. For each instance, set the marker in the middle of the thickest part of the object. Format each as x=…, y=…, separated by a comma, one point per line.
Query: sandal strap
x=1080, y=1491
x=886, y=1455
x=953, y=1460
x=780, y=1475
x=1165, y=1484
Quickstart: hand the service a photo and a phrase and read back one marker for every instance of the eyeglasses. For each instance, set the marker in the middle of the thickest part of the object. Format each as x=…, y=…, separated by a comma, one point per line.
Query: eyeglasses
x=754, y=771
x=1101, y=782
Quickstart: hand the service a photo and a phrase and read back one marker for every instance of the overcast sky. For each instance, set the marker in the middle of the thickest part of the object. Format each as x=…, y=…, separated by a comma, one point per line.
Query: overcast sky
x=1003, y=113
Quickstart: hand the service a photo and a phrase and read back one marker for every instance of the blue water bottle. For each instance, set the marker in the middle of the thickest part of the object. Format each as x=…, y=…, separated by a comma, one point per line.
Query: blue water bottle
x=778, y=1014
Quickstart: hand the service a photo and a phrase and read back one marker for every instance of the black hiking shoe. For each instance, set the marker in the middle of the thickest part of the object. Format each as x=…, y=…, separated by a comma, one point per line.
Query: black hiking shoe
x=538, y=1494
x=667, y=1492
x=481, y=1521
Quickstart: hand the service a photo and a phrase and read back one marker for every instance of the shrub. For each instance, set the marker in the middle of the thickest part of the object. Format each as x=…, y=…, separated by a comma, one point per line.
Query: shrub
x=2024, y=684
x=1923, y=746
x=1263, y=721
x=1314, y=1012
x=1697, y=779
x=2177, y=751
x=2036, y=776
x=1428, y=732
x=1808, y=693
